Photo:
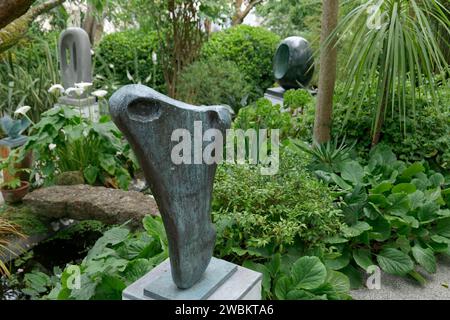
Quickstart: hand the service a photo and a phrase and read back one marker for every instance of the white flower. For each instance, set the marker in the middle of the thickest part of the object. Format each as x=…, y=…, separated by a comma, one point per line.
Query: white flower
x=111, y=66
x=154, y=58
x=78, y=91
x=51, y=146
x=83, y=85
x=56, y=88
x=100, y=93
x=22, y=110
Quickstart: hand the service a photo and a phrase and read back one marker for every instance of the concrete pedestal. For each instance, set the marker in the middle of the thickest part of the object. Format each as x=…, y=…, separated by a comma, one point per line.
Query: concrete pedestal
x=275, y=95
x=87, y=111
x=222, y=280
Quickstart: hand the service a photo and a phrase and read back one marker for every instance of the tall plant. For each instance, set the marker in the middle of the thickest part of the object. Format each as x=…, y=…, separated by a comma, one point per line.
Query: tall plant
x=395, y=53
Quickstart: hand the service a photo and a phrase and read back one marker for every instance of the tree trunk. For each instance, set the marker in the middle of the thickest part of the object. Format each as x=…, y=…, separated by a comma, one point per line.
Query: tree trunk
x=12, y=9
x=15, y=30
x=327, y=73
x=92, y=25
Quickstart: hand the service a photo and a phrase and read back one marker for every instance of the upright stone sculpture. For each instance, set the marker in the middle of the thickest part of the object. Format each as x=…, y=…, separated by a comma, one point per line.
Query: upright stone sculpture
x=75, y=57
x=76, y=67
x=183, y=192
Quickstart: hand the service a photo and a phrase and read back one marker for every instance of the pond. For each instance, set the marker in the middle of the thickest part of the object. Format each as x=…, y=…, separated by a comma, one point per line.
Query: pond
x=66, y=246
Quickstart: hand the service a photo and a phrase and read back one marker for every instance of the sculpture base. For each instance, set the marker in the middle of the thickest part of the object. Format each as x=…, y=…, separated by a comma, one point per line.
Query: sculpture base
x=275, y=95
x=222, y=280
x=68, y=101
x=90, y=111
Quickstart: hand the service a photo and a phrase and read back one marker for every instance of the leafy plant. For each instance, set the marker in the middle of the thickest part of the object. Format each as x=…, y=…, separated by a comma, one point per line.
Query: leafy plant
x=224, y=84
x=14, y=127
x=263, y=115
x=63, y=141
x=117, y=259
x=296, y=100
x=254, y=213
x=251, y=48
x=26, y=73
x=394, y=52
x=397, y=215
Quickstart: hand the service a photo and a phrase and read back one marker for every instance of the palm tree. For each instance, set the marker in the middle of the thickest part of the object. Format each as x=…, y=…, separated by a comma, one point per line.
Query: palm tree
x=395, y=53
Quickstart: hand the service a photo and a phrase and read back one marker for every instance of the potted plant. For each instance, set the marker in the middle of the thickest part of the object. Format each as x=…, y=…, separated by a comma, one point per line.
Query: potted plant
x=13, y=128
x=13, y=189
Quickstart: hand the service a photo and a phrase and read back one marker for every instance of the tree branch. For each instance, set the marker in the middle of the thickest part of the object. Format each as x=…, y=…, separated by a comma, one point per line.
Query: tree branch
x=15, y=30
x=12, y=9
x=239, y=15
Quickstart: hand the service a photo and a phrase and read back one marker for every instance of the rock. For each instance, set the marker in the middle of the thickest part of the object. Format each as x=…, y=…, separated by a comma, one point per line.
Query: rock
x=84, y=202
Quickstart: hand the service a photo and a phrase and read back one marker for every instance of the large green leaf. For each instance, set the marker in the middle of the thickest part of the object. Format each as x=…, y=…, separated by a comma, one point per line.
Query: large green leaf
x=282, y=287
x=352, y=171
x=443, y=227
x=308, y=273
x=355, y=230
x=412, y=170
x=394, y=261
x=90, y=173
x=362, y=258
x=425, y=257
x=339, y=281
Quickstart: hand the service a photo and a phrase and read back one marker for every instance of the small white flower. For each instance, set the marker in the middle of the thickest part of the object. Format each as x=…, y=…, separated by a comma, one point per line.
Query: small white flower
x=56, y=88
x=92, y=52
x=129, y=76
x=154, y=58
x=22, y=110
x=51, y=146
x=111, y=66
x=77, y=91
x=19, y=270
x=100, y=93
x=83, y=85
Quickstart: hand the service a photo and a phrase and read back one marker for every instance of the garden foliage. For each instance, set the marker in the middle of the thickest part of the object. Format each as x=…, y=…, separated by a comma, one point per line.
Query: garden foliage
x=63, y=141
x=397, y=214
x=251, y=48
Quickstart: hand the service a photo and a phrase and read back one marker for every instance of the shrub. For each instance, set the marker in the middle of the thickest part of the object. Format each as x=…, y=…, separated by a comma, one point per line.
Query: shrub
x=223, y=84
x=263, y=115
x=271, y=212
x=251, y=48
x=63, y=141
x=127, y=56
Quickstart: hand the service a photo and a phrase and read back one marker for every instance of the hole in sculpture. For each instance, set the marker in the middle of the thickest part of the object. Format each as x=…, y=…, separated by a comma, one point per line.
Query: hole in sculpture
x=74, y=57
x=144, y=110
x=281, y=62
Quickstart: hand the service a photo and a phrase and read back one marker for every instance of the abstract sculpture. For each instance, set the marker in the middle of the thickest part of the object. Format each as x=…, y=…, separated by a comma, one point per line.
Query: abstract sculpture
x=293, y=63
x=182, y=191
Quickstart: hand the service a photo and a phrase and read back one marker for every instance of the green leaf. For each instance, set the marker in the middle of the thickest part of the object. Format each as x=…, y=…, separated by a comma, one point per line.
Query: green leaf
x=395, y=262
x=412, y=170
x=381, y=229
x=308, y=273
x=90, y=173
x=136, y=269
x=443, y=227
x=352, y=171
x=339, y=262
x=300, y=295
x=108, y=164
x=354, y=275
x=362, y=258
x=355, y=230
x=424, y=257
x=339, y=281
x=266, y=280
x=382, y=187
x=404, y=188
x=282, y=287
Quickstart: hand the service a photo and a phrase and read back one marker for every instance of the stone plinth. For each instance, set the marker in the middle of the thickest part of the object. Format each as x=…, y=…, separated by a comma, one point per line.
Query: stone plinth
x=222, y=280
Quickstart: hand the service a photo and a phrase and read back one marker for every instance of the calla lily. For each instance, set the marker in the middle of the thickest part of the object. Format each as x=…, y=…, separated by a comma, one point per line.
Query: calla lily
x=99, y=93
x=22, y=110
x=77, y=91
x=83, y=85
x=56, y=88
x=52, y=146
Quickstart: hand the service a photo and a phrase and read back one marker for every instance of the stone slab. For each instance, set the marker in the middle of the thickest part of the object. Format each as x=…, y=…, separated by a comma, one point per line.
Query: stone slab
x=83, y=102
x=243, y=284
x=402, y=288
x=162, y=287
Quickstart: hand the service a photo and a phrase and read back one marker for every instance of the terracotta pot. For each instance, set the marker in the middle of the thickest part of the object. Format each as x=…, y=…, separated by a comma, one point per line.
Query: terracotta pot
x=16, y=195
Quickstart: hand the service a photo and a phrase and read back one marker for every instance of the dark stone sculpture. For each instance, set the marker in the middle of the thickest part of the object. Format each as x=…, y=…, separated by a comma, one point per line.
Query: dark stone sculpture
x=183, y=192
x=75, y=57
x=293, y=63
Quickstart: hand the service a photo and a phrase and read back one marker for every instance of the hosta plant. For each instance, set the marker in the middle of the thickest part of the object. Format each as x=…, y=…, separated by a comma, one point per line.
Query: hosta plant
x=397, y=215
